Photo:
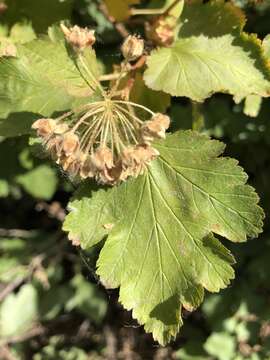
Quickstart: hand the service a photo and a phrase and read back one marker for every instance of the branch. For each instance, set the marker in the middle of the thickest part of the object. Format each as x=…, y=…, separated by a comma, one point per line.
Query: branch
x=36, y=331
x=10, y=288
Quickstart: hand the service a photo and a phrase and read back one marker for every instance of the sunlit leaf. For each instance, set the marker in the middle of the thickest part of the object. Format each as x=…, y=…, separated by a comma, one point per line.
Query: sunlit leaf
x=160, y=227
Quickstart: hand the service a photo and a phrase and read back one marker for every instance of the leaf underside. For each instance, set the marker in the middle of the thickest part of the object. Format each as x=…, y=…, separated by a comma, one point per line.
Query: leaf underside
x=160, y=244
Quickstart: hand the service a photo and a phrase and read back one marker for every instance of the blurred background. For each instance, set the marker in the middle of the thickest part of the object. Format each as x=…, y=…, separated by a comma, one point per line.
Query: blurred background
x=52, y=306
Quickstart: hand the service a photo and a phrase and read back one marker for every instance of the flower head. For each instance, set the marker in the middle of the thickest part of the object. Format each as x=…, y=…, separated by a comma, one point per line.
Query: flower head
x=107, y=140
x=79, y=38
x=132, y=48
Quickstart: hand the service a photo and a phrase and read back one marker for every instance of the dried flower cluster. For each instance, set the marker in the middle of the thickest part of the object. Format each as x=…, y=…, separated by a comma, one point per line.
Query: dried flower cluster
x=107, y=141
x=78, y=37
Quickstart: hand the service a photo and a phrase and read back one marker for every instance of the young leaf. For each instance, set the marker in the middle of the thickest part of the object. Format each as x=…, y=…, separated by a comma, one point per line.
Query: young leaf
x=41, y=79
x=160, y=226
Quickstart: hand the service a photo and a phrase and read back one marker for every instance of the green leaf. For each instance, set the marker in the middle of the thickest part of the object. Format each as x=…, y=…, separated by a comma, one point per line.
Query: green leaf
x=119, y=9
x=19, y=33
x=192, y=351
x=212, y=19
x=4, y=188
x=17, y=124
x=41, y=182
x=154, y=100
x=18, y=311
x=196, y=67
x=42, y=79
x=160, y=244
x=95, y=308
x=253, y=105
x=211, y=55
x=221, y=345
x=266, y=46
x=41, y=13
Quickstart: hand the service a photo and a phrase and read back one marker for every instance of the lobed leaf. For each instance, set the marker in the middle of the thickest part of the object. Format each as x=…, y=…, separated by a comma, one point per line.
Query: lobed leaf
x=211, y=55
x=160, y=226
x=197, y=67
x=41, y=79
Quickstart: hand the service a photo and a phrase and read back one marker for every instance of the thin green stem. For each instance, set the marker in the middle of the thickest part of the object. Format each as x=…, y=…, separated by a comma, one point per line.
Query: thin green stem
x=89, y=114
x=115, y=87
x=135, y=119
x=126, y=124
x=95, y=134
x=88, y=130
x=135, y=105
x=95, y=81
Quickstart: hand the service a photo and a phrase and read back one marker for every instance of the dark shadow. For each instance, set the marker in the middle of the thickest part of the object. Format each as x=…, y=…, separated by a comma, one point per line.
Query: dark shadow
x=17, y=124
x=167, y=311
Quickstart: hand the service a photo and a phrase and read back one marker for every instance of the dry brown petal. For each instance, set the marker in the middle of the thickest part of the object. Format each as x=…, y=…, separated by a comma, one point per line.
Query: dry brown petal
x=155, y=128
x=44, y=127
x=78, y=37
x=132, y=48
x=162, y=119
x=54, y=146
x=70, y=144
x=162, y=31
x=87, y=168
x=71, y=164
x=135, y=160
x=105, y=177
x=61, y=128
x=9, y=50
x=102, y=158
x=144, y=154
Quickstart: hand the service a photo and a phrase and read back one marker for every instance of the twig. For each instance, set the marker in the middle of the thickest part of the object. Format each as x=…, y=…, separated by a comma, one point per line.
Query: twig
x=16, y=233
x=6, y=354
x=35, y=264
x=36, y=331
x=120, y=27
x=10, y=287
x=111, y=343
x=161, y=11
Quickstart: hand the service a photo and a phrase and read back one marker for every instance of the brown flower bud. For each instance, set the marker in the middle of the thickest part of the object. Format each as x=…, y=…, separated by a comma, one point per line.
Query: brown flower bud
x=136, y=158
x=61, y=128
x=78, y=37
x=3, y=7
x=132, y=48
x=71, y=164
x=70, y=143
x=162, y=31
x=54, y=146
x=102, y=158
x=87, y=168
x=9, y=50
x=44, y=127
x=155, y=128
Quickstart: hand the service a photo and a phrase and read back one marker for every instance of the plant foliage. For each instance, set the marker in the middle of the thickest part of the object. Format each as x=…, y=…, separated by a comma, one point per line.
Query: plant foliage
x=155, y=217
